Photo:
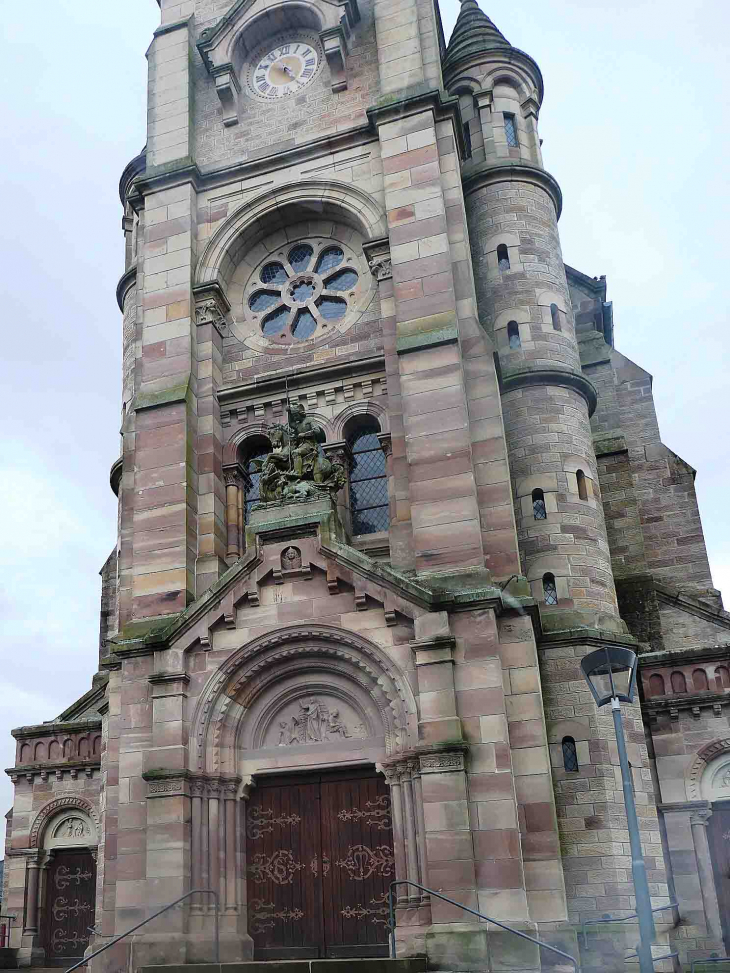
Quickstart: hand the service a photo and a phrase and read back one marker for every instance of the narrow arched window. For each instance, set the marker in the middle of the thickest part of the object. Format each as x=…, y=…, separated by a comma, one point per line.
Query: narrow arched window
x=570, y=755
x=467, y=140
x=368, y=480
x=699, y=681
x=539, y=511
x=722, y=677
x=513, y=333
x=510, y=131
x=252, y=466
x=656, y=685
x=679, y=683
x=555, y=315
x=582, y=488
x=549, y=589
x=503, y=257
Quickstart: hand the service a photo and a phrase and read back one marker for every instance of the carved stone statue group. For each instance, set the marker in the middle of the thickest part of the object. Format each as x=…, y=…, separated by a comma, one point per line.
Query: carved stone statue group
x=314, y=723
x=296, y=468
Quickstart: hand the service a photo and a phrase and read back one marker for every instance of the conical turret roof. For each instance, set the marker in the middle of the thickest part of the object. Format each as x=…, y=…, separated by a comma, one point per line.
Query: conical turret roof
x=474, y=33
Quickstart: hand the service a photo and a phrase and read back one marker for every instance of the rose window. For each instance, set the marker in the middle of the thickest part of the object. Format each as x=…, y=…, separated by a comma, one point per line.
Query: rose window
x=303, y=291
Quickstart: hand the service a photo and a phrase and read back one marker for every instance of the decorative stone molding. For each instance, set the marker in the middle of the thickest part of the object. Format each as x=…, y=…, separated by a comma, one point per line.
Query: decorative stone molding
x=261, y=664
x=377, y=253
x=53, y=807
x=228, y=88
x=439, y=763
x=72, y=768
x=212, y=307
x=335, y=46
x=701, y=760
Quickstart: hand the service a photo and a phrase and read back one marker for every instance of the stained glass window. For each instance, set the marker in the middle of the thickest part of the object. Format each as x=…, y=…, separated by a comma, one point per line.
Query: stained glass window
x=273, y=274
x=368, y=480
x=331, y=308
x=304, y=325
x=299, y=257
x=329, y=258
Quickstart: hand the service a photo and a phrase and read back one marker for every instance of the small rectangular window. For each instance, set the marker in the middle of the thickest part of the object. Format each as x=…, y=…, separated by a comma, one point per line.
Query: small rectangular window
x=510, y=130
x=467, y=141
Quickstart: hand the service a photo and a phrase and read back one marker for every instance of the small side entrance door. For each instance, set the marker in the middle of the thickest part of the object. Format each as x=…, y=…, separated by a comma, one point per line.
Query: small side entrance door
x=319, y=852
x=70, y=906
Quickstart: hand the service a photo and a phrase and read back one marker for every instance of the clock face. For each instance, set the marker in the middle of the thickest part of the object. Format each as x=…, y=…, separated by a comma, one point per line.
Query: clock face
x=284, y=68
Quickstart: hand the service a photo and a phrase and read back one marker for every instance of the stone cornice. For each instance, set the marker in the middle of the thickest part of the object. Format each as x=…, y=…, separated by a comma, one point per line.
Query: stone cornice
x=115, y=475
x=132, y=169
x=593, y=637
x=185, y=171
x=44, y=729
x=488, y=175
x=126, y=281
x=551, y=376
x=684, y=806
x=298, y=379
x=396, y=107
x=686, y=602
x=655, y=704
x=678, y=657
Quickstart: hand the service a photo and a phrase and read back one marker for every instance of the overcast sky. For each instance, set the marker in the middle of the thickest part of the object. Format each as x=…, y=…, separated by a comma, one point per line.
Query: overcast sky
x=635, y=128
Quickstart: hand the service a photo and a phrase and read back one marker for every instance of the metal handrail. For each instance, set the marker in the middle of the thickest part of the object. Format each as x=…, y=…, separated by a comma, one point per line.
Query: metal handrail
x=154, y=915
x=6, y=934
x=522, y=935
x=712, y=958
x=607, y=918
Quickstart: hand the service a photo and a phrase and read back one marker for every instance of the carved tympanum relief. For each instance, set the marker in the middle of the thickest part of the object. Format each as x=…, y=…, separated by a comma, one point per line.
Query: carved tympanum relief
x=314, y=719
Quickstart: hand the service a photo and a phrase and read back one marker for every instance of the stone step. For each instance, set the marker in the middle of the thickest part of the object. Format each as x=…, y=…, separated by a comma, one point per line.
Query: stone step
x=364, y=965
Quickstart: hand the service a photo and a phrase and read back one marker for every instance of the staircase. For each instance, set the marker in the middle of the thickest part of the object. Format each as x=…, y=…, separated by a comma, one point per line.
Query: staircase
x=370, y=965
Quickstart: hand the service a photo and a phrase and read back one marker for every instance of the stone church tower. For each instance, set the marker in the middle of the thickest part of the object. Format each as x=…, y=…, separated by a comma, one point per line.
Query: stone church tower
x=384, y=481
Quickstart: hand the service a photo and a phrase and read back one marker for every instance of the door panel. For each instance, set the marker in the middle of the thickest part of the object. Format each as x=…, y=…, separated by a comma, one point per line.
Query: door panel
x=70, y=906
x=284, y=896
x=357, y=836
x=319, y=862
x=719, y=840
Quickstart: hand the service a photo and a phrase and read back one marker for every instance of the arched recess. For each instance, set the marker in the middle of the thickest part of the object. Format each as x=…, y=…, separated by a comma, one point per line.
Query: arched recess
x=65, y=814
x=244, y=703
x=309, y=199
x=342, y=422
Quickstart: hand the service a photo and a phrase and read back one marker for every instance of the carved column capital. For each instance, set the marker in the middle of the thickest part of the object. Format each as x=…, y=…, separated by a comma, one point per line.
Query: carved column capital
x=339, y=452
x=235, y=475
x=212, y=307
x=700, y=817
x=377, y=253
x=386, y=444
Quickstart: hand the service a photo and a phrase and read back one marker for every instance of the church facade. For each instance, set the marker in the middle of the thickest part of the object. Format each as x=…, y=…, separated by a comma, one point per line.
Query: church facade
x=384, y=480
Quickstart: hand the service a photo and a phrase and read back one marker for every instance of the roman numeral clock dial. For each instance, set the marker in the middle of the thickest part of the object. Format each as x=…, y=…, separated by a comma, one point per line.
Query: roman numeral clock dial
x=285, y=68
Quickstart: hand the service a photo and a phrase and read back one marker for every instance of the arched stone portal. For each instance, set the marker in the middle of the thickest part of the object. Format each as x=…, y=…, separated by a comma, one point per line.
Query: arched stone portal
x=301, y=730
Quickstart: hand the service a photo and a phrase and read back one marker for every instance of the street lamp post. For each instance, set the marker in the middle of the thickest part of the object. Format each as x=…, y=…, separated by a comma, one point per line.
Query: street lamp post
x=611, y=676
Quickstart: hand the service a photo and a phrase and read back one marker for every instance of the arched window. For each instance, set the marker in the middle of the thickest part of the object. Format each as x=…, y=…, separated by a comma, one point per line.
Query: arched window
x=679, y=683
x=513, y=333
x=699, y=681
x=570, y=755
x=467, y=140
x=368, y=480
x=550, y=590
x=582, y=488
x=555, y=315
x=656, y=685
x=502, y=257
x=539, y=511
x=722, y=677
x=256, y=452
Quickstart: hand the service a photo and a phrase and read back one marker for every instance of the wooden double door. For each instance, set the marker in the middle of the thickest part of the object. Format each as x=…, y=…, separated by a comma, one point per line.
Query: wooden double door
x=319, y=860
x=69, y=906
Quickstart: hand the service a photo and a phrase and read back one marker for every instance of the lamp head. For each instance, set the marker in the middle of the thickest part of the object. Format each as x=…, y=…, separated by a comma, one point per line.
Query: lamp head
x=610, y=673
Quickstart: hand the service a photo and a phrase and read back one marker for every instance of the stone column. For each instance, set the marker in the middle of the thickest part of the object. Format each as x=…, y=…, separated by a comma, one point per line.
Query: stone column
x=234, y=486
x=392, y=775
x=197, y=788
x=30, y=927
x=214, y=836
x=698, y=822
x=414, y=895
x=231, y=871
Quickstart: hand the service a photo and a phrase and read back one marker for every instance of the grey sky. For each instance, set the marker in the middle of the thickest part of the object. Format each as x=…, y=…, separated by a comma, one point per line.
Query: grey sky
x=635, y=128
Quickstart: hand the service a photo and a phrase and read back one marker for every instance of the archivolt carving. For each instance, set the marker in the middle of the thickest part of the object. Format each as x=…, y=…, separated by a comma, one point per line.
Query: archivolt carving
x=60, y=804
x=242, y=679
x=696, y=768
x=313, y=197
